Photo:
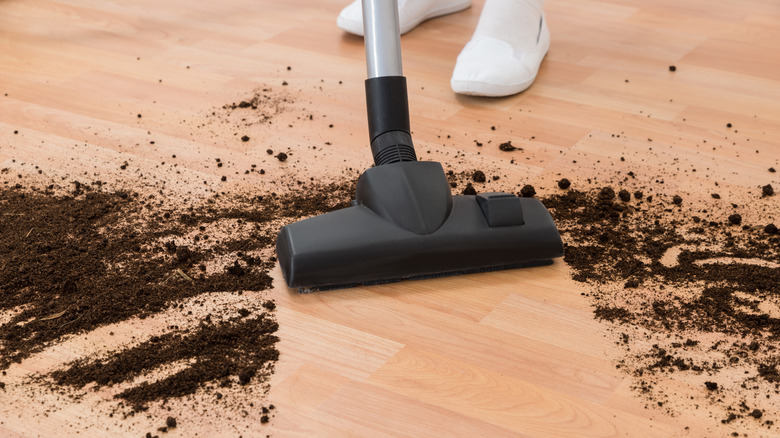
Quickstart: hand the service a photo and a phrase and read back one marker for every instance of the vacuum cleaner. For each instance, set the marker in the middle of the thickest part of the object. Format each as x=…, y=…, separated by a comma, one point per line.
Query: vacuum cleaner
x=404, y=222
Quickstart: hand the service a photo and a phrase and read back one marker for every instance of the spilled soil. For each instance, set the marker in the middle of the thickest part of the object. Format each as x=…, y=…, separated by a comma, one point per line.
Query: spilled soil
x=74, y=262
x=688, y=291
x=692, y=299
x=689, y=294
x=689, y=297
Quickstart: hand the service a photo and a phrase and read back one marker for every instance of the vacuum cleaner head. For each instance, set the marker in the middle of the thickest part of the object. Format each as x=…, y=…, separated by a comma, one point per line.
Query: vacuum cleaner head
x=405, y=224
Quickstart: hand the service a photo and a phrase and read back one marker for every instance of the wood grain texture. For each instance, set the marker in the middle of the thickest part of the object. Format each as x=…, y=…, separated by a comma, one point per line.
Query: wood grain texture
x=513, y=353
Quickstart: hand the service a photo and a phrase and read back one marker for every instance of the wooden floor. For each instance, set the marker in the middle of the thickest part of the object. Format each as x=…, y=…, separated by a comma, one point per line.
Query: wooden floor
x=514, y=353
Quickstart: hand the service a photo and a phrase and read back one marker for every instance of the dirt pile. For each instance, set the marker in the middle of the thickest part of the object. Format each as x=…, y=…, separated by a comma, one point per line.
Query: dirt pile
x=688, y=289
x=74, y=262
x=693, y=300
x=689, y=297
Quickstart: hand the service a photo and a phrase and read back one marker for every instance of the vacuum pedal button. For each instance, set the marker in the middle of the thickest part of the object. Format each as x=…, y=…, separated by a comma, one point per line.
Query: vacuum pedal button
x=501, y=209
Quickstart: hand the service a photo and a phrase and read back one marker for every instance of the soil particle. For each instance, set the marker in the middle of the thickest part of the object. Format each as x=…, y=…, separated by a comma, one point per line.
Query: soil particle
x=281, y=156
x=715, y=196
x=170, y=422
x=767, y=190
x=735, y=219
x=677, y=200
x=631, y=284
x=528, y=191
x=469, y=190
x=564, y=183
x=245, y=376
x=183, y=254
x=711, y=386
x=624, y=195
x=245, y=138
x=770, y=229
x=607, y=194
x=509, y=147
x=235, y=269
x=479, y=176
x=672, y=68
x=769, y=372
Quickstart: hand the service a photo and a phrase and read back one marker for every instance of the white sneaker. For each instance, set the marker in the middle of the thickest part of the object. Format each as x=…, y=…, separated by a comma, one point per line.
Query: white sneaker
x=504, y=55
x=410, y=13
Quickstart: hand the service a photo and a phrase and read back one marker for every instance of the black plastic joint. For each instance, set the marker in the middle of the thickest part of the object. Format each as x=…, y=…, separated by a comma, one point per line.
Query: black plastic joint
x=387, y=103
x=393, y=147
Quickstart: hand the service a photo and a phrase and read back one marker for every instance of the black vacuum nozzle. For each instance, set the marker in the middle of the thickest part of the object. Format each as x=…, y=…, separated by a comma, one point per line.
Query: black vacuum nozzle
x=405, y=224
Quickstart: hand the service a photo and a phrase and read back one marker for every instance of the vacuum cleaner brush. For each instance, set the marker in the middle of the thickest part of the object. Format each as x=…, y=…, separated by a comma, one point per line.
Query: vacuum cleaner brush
x=404, y=222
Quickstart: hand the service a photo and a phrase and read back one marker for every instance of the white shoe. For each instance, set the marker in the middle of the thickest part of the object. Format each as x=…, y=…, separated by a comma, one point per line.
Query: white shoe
x=410, y=13
x=504, y=55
